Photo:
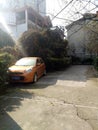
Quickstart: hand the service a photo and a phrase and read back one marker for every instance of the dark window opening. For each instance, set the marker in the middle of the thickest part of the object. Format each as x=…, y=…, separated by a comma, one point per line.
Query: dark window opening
x=20, y=17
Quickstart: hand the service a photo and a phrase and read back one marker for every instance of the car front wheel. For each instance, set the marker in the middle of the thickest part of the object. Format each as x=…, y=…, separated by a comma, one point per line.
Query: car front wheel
x=35, y=78
x=44, y=72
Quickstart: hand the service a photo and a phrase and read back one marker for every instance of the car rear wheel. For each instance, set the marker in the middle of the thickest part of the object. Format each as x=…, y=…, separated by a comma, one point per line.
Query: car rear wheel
x=35, y=78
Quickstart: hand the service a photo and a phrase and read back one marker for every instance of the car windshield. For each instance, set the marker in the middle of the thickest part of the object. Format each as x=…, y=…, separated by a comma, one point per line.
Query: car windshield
x=26, y=62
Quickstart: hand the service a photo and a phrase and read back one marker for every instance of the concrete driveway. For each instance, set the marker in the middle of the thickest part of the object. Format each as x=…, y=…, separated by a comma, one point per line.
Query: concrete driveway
x=63, y=100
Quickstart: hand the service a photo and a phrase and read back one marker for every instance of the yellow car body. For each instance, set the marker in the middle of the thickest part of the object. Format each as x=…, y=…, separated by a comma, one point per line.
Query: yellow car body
x=28, y=69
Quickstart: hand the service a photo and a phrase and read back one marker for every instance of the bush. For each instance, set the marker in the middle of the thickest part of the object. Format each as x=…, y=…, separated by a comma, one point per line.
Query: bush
x=58, y=63
x=12, y=51
x=76, y=60
x=5, y=39
x=5, y=61
x=46, y=44
x=82, y=61
x=96, y=63
x=87, y=61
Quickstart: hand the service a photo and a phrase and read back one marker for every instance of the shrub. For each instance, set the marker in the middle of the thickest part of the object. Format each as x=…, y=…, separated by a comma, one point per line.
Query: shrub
x=5, y=61
x=87, y=61
x=76, y=60
x=82, y=61
x=57, y=63
x=12, y=51
x=96, y=63
x=5, y=39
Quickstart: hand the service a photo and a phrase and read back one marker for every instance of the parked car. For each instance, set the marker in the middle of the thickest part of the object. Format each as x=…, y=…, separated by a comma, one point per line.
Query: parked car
x=28, y=69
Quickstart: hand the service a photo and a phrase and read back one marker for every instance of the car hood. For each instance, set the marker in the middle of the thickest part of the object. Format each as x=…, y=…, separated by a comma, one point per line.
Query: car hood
x=16, y=68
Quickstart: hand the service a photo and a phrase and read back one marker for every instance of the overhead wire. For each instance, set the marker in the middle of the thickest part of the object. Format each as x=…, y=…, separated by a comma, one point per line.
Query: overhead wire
x=72, y=3
x=68, y=20
x=63, y=9
x=69, y=10
x=82, y=8
x=91, y=2
x=71, y=15
x=76, y=10
x=85, y=5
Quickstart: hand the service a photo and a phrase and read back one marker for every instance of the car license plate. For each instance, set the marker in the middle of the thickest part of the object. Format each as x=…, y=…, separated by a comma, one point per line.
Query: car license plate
x=16, y=78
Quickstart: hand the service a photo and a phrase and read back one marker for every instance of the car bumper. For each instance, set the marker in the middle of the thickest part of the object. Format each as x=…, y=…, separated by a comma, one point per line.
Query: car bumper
x=21, y=78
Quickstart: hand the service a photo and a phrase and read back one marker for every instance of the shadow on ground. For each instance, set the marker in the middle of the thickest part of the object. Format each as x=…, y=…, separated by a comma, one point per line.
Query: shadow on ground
x=77, y=73
x=10, y=103
x=7, y=123
x=20, y=91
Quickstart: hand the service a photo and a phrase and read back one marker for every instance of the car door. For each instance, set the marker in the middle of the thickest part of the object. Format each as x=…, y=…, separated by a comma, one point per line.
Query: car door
x=39, y=67
x=42, y=66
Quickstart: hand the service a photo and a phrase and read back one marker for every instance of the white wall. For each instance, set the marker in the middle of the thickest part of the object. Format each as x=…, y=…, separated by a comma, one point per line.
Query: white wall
x=42, y=7
x=9, y=17
x=38, y=5
x=77, y=38
x=20, y=29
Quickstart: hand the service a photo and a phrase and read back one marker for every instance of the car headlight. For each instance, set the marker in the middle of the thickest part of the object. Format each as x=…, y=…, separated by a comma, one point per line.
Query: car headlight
x=28, y=70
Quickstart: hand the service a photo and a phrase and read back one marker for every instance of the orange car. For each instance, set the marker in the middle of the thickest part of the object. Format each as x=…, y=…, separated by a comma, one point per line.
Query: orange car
x=28, y=69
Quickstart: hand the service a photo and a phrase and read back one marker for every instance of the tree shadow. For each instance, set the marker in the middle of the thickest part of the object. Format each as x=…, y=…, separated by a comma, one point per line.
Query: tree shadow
x=10, y=103
x=7, y=123
x=92, y=73
x=77, y=73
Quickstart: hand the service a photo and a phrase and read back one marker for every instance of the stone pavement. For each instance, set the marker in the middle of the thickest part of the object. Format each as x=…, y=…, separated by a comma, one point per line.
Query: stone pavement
x=63, y=100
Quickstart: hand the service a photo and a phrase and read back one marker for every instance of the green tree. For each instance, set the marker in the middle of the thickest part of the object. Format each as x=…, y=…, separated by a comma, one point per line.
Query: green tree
x=47, y=44
x=5, y=39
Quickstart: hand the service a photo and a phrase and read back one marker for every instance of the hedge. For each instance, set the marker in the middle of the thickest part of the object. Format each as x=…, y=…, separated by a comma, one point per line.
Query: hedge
x=96, y=63
x=5, y=61
x=58, y=63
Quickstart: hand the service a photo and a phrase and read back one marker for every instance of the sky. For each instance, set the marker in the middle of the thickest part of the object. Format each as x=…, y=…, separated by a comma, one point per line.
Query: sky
x=73, y=10
x=52, y=9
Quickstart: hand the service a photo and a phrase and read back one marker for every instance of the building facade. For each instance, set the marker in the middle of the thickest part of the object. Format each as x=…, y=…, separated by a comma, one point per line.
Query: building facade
x=21, y=15
x=78, y=35
x=38, y=5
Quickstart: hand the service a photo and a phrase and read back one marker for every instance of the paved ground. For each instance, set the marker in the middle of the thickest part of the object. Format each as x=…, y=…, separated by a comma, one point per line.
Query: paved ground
x=64, y=100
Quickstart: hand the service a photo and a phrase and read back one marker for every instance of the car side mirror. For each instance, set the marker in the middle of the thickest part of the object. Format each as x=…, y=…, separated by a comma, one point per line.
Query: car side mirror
x=38, y=64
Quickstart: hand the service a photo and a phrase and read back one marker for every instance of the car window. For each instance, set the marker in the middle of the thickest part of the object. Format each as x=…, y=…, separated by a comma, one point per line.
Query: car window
x=38, y=61
x=41, y=61
x=26, y=62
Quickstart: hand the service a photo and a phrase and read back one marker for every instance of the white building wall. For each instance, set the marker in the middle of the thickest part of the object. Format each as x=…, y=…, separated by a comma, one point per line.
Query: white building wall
x=13, y=31
x=77, y=38
x=22, y=3
x=10, y=17
x=38, y=5
x=20, y=29
x=10, y=25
